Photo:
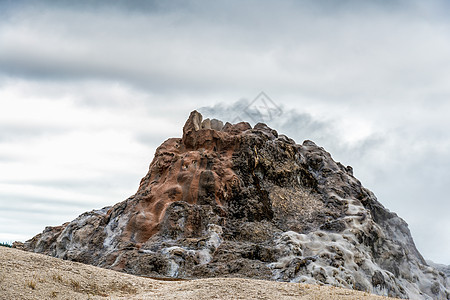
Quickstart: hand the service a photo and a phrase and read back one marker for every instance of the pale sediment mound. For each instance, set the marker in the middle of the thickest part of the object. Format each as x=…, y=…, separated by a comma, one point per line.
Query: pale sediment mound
x=26, y=275
x=235, y=201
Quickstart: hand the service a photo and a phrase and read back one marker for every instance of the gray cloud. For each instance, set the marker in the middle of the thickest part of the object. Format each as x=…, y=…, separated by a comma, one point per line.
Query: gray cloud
x=250, y=45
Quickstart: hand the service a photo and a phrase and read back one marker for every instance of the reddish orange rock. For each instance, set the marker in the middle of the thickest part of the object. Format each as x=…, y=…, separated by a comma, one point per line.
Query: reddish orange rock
x=196, y=169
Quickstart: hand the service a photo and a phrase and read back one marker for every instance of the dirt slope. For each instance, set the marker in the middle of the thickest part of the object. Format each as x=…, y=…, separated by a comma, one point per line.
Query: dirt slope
x=25, y=275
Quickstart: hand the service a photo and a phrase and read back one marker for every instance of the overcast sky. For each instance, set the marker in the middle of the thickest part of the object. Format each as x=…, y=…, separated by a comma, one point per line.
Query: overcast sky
x=89, y=89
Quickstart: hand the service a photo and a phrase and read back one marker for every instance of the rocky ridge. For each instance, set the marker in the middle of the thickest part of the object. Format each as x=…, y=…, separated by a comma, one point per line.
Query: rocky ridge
x=235, y=201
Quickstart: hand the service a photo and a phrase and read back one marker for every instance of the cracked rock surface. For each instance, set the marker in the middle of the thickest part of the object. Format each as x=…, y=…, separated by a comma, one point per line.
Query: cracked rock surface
x=235, y=201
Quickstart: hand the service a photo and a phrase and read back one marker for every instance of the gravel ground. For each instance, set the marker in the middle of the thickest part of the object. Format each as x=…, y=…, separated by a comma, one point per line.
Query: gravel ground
x=25, y=275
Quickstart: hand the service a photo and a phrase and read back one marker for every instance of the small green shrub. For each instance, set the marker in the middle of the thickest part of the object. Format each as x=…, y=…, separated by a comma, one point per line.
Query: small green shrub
x=5, y=244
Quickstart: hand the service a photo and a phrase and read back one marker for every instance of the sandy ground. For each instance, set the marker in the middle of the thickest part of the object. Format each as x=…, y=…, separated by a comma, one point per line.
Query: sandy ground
x=26, y=275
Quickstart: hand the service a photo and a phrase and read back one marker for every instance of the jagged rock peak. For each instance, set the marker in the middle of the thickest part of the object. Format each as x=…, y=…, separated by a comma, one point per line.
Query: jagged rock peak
x=197, y=131
x=235, y=201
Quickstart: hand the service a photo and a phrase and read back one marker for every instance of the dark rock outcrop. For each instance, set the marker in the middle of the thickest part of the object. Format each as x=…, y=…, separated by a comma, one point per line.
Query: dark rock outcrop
x=235, y=201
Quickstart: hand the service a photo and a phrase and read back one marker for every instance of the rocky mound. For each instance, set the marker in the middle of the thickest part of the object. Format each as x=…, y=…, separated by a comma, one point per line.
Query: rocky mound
x=237, y=201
